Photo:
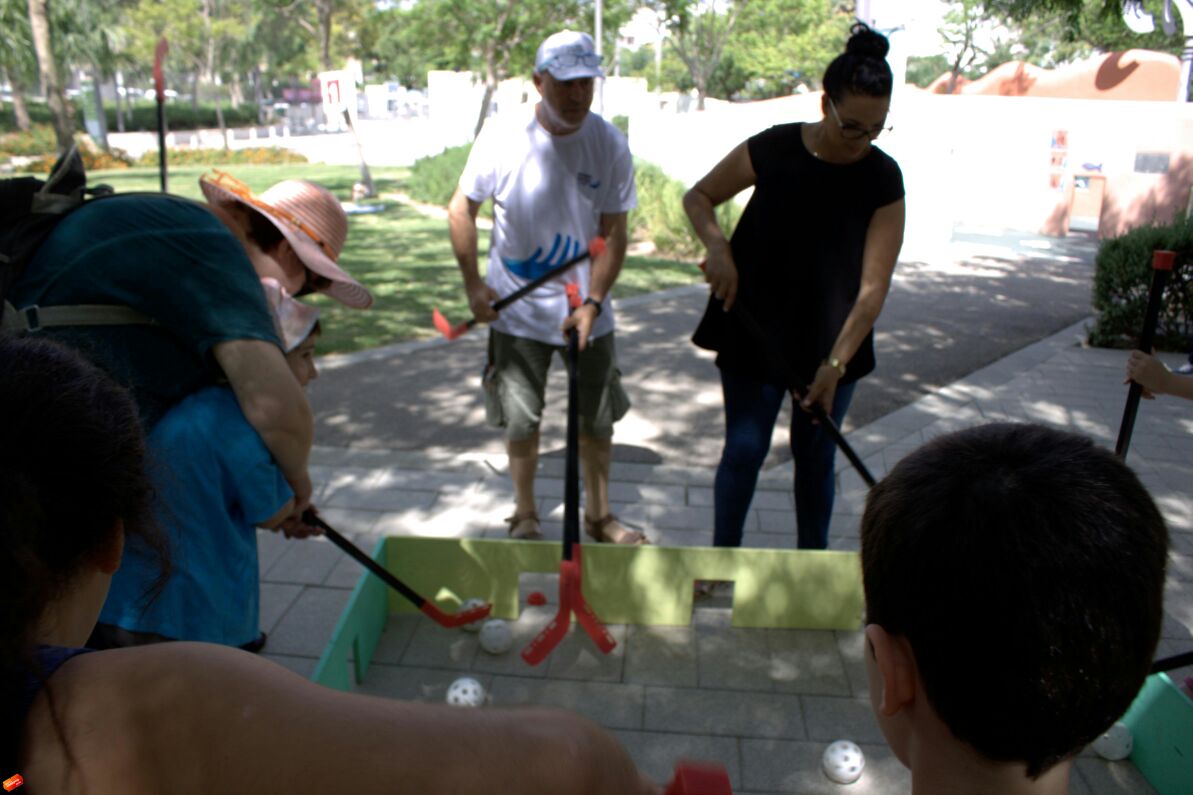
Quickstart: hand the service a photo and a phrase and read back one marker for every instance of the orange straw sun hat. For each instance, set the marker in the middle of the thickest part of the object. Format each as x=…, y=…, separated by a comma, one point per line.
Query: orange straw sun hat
x=312, y=220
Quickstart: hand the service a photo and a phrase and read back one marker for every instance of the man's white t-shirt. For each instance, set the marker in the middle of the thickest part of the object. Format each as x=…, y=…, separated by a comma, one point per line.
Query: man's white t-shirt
x=549, y=192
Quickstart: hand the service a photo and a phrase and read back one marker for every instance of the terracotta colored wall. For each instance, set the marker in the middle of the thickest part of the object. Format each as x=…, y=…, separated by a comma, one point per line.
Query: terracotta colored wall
x=1134, y=74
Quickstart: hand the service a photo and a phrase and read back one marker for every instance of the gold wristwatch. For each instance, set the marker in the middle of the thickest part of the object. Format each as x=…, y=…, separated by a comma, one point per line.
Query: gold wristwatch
x=836, y=364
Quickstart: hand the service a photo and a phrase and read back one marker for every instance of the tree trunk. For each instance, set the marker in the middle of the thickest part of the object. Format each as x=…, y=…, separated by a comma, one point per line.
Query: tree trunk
x=121, y=100
x=60, y=111
x=20, y=110
x=323, y=8
x=101, y=119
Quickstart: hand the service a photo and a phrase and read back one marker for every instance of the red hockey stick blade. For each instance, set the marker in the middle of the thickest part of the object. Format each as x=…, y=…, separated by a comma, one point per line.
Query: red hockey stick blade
x=447, y=329
x=545, y=642
x=585, y=614
x=451, y=620
x=699, y=778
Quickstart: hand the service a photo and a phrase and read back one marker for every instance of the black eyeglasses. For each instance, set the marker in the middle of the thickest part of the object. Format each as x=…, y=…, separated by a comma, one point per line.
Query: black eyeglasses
x=855, y=132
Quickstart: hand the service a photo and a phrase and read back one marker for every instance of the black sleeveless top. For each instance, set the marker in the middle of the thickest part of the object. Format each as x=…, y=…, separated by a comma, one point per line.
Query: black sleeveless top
x=798, y=249
x=19, y=688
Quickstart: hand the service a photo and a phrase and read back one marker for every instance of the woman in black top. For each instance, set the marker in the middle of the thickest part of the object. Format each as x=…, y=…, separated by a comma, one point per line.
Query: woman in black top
x=810, y=264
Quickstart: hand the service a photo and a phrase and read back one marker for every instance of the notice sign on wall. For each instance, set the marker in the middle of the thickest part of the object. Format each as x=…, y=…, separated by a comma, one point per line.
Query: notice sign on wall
x=338, y=91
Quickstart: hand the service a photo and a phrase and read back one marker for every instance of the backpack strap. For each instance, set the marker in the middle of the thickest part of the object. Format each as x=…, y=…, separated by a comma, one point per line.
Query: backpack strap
x=35, y=318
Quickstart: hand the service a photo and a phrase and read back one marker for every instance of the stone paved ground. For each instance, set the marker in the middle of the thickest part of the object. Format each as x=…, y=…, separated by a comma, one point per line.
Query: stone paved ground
x=763, y=702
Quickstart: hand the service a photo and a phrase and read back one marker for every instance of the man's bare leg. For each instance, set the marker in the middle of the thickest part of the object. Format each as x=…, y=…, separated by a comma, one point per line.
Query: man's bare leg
x=524, y=458
x=595, y=457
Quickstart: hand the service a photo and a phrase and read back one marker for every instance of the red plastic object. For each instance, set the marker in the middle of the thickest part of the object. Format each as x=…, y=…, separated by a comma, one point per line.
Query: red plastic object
x=571, y=600
x=536, y=598
x=159, y=79
x=1163, y=260
x=700, y=778
x=573, y=292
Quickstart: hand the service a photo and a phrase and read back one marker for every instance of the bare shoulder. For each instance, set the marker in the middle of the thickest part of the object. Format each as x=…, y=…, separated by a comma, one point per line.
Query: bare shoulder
x=140, y=720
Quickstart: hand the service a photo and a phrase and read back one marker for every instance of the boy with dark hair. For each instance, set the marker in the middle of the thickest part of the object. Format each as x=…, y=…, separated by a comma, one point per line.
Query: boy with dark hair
x=1014, y=579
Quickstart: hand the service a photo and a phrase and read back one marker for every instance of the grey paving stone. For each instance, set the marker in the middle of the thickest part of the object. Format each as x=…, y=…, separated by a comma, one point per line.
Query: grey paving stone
x=661, y=656
x=306, y=562
x=781, y=521
x=577, y=657
x=615, y=706
x=276, y=599
x=399, y=629
x=724, y=712
x=730, y=658
x=806, y=661
x=1112, y=778
x=306, y=628
x=433, y=646
x=270, y=547
x=408, y=683
x=794, y=767
x=831, y=719
x=655, y=753
x=303, y=666
x=370, y=495
x=622, y=491
x=852, y=647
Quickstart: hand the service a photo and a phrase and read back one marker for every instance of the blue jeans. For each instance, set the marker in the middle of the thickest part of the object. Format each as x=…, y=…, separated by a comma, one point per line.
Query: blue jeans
x=751, y=408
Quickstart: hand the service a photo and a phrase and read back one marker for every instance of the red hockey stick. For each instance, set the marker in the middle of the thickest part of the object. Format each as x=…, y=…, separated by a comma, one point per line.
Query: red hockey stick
x=596, y=247
x=571, y=597
x=427, y=607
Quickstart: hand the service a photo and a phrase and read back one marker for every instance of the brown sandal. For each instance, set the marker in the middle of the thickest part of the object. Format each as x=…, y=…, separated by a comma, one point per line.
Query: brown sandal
x=518, y=530
x=598, y=530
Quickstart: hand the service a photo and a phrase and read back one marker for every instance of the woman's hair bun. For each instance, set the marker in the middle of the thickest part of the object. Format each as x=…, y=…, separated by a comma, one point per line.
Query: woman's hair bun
x=863, y=40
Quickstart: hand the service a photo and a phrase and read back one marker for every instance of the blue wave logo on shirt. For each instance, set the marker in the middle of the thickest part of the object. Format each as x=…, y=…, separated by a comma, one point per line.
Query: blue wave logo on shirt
x=534, y=266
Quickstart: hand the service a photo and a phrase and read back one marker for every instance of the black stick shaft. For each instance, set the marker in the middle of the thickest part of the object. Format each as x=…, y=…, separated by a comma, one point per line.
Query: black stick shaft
x=1173, y=662
x=357, y=554
x=534, y=284
x=161, y=141
x=1146, y=340
x=571, y=485
x=756, y=331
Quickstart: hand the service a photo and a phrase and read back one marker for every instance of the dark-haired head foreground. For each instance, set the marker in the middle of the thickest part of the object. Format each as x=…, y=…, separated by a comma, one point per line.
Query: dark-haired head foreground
x=194, y=717
x=1014, y=581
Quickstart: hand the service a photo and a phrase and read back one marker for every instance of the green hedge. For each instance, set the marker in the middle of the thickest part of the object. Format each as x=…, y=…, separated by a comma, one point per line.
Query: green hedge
x=659, y=216
x=1122, y=280
x=433, y=179
x=142, y=117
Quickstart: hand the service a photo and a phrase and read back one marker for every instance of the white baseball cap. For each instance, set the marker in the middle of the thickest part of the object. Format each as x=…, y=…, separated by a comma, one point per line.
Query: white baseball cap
x=568, y=55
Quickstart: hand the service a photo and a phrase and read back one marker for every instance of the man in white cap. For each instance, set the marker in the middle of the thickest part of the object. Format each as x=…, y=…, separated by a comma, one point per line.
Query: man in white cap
x=556, y=180
x=164, y=293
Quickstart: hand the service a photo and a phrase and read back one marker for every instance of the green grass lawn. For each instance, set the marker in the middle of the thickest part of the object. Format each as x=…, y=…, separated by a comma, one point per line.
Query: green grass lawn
x=401, y=255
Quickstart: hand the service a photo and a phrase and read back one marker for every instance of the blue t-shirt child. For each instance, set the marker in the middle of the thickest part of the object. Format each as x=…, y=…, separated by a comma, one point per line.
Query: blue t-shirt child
x=219, y=485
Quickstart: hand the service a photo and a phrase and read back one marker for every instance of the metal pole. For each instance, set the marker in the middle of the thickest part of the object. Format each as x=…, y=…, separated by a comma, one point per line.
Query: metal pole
x=599, y=27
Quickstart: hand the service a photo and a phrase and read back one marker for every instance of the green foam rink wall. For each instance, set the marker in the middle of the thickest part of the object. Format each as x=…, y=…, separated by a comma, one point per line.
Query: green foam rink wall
x=652, y=585
x=1161, y=723
x=774, y=589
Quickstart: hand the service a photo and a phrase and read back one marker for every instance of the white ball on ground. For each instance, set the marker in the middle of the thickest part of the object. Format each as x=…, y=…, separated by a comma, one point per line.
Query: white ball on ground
x=466, y=692
x=468, y=605
x=843, y=762
x=496, y=637
x=1115, y=743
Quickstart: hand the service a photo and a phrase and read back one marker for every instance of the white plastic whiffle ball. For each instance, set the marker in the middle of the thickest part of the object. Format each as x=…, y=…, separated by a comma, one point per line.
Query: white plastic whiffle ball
x=1115, y=744
x=843, y=762
x=496, y=637
x=468, y=605
x=466, y=692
